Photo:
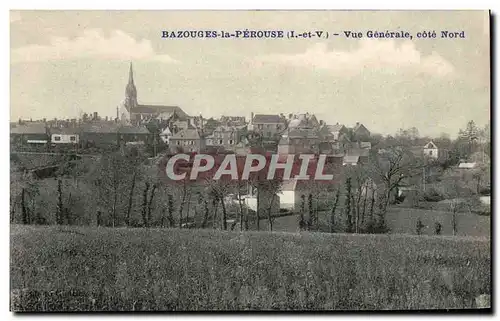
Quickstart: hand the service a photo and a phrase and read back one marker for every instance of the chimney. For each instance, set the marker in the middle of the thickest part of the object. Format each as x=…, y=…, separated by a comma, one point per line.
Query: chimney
x=251, y=117
x=357, y=123
x=95, y=115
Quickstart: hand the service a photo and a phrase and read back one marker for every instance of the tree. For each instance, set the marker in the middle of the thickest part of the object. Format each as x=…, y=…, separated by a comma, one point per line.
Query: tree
x=111, y=178
x=420, y=226
x=60, y=209
x=334, y=208
x=145, y=221
x=393, y=167
x=347, y=207
x=302, y=221
x=457, y=194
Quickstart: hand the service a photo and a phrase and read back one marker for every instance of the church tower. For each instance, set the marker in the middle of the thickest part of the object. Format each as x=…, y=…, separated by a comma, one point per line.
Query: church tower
x=130, y=91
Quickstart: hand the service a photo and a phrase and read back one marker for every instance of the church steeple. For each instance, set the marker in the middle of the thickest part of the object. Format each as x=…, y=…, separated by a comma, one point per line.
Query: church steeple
x=130, y=91
x=131, y=75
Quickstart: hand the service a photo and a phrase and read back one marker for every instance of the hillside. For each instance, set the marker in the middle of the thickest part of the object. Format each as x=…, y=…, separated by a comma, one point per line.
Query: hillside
x=65, y=268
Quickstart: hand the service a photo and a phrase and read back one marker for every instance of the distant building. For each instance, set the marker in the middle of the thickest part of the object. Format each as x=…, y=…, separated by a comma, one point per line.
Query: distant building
x=361, y=132
x=63, y=135
x=233, y=120
x=299, y=141
x=131, y=111
x=99, y=134
x=431, y=150
x=350, y=160
x=29, y=133
x=337, y=130
x=187, y=140
x=303, y=121
x=227, y=137
x=137, y=134
x=467, y=166
x=268, y=126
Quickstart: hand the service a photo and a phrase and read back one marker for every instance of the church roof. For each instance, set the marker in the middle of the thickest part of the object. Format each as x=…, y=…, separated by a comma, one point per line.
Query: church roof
x=167, y=111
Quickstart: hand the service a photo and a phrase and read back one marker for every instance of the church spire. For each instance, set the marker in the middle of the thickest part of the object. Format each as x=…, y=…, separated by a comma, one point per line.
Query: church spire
x=130, y=91
x=131, y=75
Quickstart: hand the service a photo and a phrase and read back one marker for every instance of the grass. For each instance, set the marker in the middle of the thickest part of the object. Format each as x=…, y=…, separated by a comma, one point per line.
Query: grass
x=402, y=220
x=89, y=269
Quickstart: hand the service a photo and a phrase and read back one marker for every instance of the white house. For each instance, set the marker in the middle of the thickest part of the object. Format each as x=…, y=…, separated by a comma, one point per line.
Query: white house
x=165, y=135
x=431, y=150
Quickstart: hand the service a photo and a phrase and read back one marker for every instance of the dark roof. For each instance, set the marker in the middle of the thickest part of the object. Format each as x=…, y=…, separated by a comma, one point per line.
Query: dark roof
x=159, y=109
x=31, y=128
x=65, y=130
x=266, y=119
x=335, y=128
x=358, y=152
x=186, y=134
x=100, y=127
x=302, y=133
x=359, y=126
x=133, y=130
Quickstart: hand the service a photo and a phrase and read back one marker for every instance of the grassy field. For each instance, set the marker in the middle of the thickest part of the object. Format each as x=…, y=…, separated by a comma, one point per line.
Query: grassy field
x=404, y=221
x=65, y=268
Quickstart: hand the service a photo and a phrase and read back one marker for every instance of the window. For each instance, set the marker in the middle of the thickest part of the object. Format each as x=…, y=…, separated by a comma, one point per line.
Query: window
x=269, y=134
x=220, y=141
x=231, y=142
x=268, y=126
x=430, y=153
x=57, y=138
x=72, y=138
x=178, y=142
x=260, y=126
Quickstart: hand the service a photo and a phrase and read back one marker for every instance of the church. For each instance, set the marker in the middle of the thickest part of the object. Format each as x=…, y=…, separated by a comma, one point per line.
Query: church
x=130, y=111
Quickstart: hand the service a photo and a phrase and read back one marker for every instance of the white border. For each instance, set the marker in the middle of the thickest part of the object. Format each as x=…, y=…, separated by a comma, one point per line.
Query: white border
x=214, y=4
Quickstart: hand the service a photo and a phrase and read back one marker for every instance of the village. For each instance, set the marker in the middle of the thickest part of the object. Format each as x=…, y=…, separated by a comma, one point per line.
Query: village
x=350, y=151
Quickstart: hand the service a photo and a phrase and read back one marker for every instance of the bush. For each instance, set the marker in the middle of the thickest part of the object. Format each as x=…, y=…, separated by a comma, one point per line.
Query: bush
x=432, y=195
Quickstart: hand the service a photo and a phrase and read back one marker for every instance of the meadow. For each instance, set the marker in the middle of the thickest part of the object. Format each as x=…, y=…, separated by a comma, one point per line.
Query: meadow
x=132, y=269
x=402, y=220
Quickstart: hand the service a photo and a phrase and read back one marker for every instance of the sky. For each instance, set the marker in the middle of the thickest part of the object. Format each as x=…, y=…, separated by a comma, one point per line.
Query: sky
x=66, y=63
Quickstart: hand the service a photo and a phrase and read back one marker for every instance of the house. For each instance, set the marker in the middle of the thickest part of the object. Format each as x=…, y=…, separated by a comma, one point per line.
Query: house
x=360, y=132
x=303, y=121
x=233, y=120
x=100, y=134
x=227, y=137
x=432, y=151
x=467, y=166
x=29, y=133
x=136, y=134
x=365, y=145
x=268, y=126
x=65, y=135
x=299, y=140
x=337, y=130
x=350, y=160
x=187, y=140
x=165, y=135
x=130, y=111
